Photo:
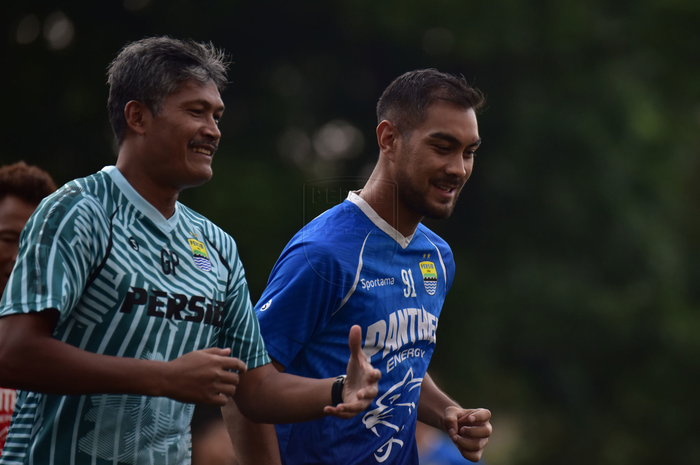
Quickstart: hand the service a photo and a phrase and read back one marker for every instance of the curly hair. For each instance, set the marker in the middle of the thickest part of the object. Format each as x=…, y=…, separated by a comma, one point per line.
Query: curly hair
x=29, y=183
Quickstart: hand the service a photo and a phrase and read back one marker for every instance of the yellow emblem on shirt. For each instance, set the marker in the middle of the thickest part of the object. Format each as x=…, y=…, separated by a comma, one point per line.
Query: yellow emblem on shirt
x=199, y=255
x=430, y=277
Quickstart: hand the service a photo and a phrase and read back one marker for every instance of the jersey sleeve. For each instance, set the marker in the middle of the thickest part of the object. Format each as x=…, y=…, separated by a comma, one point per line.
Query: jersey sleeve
x=306, y=287
x=241, y=331
x=449, y=266
x=60, y=246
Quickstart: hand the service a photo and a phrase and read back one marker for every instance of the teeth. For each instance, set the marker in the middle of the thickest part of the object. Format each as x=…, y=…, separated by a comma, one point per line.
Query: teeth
x=201, y=150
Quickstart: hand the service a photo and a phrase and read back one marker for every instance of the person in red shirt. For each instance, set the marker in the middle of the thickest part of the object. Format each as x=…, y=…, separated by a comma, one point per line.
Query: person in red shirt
x=22, y=187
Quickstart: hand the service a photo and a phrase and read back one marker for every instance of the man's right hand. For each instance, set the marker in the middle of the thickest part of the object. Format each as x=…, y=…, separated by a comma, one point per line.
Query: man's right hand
x=203, y=376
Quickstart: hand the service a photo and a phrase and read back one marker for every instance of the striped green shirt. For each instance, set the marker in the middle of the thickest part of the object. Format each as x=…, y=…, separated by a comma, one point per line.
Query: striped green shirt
x=130, y=283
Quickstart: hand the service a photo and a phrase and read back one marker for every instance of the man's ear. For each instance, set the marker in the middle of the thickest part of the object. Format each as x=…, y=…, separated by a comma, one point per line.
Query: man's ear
x=388, y=139
x=137, y=115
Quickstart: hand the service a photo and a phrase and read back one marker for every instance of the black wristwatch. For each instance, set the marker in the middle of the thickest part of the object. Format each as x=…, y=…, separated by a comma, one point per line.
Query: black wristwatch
x=337, y=390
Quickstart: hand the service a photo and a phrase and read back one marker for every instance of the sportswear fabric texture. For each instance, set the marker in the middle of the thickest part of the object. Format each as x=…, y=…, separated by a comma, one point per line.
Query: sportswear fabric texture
x=348, y=266
x=129, y=283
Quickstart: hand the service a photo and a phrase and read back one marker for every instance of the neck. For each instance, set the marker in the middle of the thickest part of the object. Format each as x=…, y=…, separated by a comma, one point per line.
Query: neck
x=161, y=197
x=381, y=194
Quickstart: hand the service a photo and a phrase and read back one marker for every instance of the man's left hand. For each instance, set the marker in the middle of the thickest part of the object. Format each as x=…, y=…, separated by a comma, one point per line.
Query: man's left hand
x=361, y=383
x=469, y=429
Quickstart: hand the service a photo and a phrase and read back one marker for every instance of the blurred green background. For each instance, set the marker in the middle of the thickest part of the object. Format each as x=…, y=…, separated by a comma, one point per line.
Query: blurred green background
x=575, y=312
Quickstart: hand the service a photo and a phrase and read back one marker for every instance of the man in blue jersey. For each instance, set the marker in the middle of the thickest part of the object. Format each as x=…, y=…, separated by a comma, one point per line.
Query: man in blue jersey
x=370, y=262
x=124, y=307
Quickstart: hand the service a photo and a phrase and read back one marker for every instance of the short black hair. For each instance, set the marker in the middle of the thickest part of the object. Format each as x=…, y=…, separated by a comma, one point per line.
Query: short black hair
x=28, y=183
x=405, y=102
x=150, y=69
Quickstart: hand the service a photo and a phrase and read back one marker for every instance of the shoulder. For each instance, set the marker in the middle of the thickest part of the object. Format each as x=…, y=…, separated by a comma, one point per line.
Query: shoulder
x=330, y=243
x=343, y=225
x=83, y=199
x=437, y=241
x=79, y=190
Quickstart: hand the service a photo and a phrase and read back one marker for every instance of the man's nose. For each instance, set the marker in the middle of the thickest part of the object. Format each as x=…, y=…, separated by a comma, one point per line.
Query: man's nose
x=457, y=166
x=211, y=129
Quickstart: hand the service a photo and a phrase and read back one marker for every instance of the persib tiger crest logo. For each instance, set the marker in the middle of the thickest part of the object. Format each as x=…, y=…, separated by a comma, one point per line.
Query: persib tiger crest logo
x=430, y=278
x=199, y=255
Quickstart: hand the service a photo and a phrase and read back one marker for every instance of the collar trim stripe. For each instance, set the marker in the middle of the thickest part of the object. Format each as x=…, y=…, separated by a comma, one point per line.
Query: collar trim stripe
x=379, y=221
x=165, y=225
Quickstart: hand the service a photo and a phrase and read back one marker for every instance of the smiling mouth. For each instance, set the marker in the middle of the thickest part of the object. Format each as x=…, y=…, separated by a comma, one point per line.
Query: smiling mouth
x=446, y=187
x=203, y=148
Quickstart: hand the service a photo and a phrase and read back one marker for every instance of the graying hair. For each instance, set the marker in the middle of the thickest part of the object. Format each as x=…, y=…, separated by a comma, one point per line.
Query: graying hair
x=150, y=69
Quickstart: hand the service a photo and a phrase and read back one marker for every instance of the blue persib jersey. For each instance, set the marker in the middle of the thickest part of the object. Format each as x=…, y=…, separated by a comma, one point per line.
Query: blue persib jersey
x=347, y=267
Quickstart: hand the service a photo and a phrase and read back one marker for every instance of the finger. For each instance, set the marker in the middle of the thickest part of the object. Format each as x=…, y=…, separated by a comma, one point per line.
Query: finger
x=334, y=411
x=354, y=407
x=217, y=351
x=470, y=445
x=451, y=423
x=232, y=363
x=374, y=376
x=475, y=416
x=227, y=390
x=355, y=341
x=229, y=378
x=342, y=411
x=475, y=431
x=217, y=400
x=472, y=456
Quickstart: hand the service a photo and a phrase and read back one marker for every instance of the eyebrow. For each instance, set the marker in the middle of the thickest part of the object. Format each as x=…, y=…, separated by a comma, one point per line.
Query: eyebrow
x=205, y=103
x=452, y=139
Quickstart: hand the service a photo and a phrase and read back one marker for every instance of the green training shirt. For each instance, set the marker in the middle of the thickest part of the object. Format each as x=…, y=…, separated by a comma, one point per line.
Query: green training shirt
x=130, y=283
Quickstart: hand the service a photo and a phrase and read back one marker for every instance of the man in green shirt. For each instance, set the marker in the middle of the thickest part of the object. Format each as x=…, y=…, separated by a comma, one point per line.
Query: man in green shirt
x=125, y=307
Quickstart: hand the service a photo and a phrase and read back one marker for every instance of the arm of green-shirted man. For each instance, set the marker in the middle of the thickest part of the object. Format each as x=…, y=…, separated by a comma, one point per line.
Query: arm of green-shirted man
x=469, y=429
x=31, y=359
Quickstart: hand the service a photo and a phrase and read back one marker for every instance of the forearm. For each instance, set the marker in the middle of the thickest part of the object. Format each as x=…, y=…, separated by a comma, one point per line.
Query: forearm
x=265, y=395
x=254, y=443
x=44, y=364
x=432, y=404
x=54, y=367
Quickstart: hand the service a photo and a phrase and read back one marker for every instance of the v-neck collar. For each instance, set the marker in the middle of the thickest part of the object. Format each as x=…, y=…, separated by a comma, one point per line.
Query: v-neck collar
x=164, y=224
x=379, y=221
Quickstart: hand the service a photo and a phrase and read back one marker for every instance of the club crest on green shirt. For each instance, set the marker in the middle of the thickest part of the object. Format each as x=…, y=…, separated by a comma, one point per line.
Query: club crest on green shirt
x=199, y=255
